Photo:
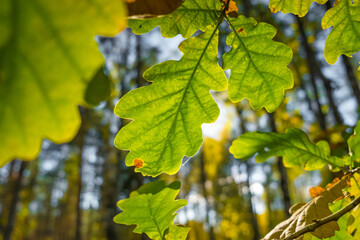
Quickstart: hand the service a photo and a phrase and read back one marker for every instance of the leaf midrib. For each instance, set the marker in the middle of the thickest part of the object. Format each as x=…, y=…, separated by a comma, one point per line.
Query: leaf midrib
x=248, y=54
x=287, y=144
x=186, y=88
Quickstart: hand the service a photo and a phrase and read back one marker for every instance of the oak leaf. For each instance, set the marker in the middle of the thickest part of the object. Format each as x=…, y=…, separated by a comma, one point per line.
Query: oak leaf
x=314, y=210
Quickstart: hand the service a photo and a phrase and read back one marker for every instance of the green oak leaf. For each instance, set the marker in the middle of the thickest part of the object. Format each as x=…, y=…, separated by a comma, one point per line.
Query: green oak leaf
x=354, y=144
x=191, y=16
x=152, y=208
x=297, y=7
x=168, y=113
x=344, y=38
x=177, y=233
x=294, y=146
x=258, y=64
x=47, y=55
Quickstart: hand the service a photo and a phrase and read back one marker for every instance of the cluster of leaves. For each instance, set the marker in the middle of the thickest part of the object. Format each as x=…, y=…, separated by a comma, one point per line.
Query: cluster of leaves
x=167, y=115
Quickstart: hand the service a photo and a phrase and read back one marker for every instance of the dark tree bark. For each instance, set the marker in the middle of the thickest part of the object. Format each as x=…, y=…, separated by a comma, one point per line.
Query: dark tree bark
x=316, y=71
x=139, y=63
x=283, y=175
x=252, y=213
x=311, y=66
x=205, y=194
x=80, y=141
x=5, y=196
x=14, y=201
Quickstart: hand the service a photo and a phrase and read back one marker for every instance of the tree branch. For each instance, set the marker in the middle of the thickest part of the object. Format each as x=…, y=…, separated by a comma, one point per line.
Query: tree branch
x=333, y=217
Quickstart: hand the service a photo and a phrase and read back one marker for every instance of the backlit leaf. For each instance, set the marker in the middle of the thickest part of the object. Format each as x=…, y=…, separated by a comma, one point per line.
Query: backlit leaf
x=344, y=37
x=152, y=208
x=297, y=7
x=186, y=20
x=355, y=185
x=177, y=233
x=293, y=145
x=47, y=55
x=354, y=144
x=258, y=64
x=168, y=113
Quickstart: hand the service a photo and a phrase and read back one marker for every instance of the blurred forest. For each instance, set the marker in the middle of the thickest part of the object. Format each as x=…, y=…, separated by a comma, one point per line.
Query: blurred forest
x=70, y=191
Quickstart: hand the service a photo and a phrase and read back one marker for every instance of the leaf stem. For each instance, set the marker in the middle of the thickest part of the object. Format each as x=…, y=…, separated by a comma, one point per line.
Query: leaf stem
x=333, y=217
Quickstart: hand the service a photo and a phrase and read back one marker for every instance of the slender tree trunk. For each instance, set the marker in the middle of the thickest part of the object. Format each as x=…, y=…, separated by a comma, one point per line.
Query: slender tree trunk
x=29, y=194
x=205, y=194
x=5, y=200
x=15, y=198
x=316, y=71
x=139, y=64
x=269, y=200
x=283, y=175
x=80, y=140
x=252, y=213
x=310, y=62
x=112, y=168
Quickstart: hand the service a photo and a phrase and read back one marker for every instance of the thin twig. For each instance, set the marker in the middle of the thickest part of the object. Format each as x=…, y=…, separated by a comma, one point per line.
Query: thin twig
x=333, y=217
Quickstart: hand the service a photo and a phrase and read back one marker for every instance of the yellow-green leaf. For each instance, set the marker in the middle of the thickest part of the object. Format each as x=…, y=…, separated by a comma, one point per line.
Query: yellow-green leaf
x=168, y=113
x=297, y=7
x=47, y=54
x=258, y=64
x=344, y=38
x=177, y=233
x=191, y=16
x=152, y=208
x=294, y=146
x=354, y=143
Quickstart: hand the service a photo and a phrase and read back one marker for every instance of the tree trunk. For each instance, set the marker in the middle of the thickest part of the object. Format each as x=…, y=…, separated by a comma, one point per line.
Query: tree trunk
x=252, y=213
x=283, y=175
x=80, y=141
x=15, y=198
x=315, y=69
x=311, y=66
x=5, y=195
x=203, y=186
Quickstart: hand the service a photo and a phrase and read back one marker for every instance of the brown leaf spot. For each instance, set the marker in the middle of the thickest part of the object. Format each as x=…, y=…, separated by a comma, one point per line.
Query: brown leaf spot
x=138, y=163
x=240, y=30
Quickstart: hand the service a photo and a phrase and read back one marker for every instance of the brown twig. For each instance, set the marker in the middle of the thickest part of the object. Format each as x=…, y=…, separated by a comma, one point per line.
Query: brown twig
x=333, y=217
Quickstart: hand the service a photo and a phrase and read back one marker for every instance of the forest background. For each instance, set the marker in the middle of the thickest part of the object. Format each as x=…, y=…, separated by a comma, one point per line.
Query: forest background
x=70, y=190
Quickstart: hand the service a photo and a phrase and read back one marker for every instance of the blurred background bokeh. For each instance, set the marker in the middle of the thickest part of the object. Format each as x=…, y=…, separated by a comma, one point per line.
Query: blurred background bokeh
x=70, y=191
